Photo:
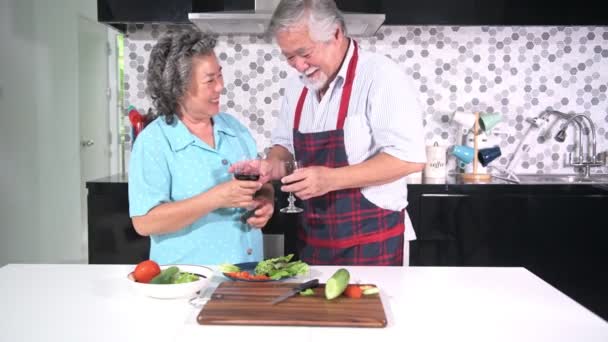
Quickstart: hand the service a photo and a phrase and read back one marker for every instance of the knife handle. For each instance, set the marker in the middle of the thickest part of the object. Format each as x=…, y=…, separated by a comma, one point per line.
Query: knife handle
x=308, y=285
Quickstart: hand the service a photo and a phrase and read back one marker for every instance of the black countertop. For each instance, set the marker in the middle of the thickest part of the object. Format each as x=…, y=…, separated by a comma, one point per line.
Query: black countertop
x=117, y=178
x=451, y=181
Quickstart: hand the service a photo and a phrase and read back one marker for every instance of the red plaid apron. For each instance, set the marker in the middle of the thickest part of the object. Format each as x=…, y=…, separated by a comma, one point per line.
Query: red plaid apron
x=343, y=227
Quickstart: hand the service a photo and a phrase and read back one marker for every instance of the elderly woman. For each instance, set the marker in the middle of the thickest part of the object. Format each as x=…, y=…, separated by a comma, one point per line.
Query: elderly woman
x=181, y=193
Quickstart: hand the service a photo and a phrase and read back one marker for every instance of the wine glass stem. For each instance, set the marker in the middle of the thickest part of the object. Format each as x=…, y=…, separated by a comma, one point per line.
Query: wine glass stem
x=291, y=200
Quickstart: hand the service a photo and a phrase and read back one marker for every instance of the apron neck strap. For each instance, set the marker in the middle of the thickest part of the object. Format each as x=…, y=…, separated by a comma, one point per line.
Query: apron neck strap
x=346, y=92
x=347, y=88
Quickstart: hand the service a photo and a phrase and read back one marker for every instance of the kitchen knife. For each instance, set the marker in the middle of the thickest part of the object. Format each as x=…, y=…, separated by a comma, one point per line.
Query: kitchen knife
x=307, y=285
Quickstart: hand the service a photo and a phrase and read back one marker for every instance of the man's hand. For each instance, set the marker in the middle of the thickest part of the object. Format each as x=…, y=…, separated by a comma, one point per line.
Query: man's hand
x=309, y=182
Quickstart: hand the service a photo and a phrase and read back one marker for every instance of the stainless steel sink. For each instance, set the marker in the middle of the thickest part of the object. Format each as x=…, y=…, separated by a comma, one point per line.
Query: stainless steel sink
x=561, y=179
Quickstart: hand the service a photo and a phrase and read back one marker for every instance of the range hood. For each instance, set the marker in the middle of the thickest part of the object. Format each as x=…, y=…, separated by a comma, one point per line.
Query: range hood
x=256, y=22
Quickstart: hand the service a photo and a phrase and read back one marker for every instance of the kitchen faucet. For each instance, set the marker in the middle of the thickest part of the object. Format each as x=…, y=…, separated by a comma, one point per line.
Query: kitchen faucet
x=539, y=122
x=543, y=119
x=590, y=159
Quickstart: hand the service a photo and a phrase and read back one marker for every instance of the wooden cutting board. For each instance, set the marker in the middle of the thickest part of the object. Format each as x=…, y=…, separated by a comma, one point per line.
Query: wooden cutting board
x=248, y=303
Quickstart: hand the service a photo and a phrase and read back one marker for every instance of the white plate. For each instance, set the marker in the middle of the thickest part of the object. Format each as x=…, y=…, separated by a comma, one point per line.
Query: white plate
x=169, y=291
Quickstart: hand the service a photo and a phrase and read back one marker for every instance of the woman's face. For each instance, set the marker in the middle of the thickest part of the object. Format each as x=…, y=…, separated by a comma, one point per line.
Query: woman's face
x=202, y=97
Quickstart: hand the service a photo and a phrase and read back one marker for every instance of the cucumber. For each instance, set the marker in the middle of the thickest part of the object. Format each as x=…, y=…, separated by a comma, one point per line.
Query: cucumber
x=337, y=284
x=165, y=276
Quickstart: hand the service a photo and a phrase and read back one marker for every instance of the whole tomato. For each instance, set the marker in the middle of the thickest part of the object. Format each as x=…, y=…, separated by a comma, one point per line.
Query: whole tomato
x=145, y=271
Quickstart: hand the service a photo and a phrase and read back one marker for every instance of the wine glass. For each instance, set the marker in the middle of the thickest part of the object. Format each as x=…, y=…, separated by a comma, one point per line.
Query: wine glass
x=290, y=167
x=247, y=169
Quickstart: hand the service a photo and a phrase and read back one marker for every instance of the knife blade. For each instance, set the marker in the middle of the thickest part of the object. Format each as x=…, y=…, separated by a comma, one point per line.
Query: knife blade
x=307, y=285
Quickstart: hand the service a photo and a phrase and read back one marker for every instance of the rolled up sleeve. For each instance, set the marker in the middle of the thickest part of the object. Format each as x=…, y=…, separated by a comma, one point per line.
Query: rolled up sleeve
x=282, y=134
x=395, y=117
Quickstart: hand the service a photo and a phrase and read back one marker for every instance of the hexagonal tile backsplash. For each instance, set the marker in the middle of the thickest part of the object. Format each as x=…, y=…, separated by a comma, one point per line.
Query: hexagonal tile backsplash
x=515, y=71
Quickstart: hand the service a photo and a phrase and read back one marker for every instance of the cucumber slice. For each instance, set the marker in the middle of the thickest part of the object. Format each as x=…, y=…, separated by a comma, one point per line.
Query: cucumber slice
x=337, y=284
x=371, y=291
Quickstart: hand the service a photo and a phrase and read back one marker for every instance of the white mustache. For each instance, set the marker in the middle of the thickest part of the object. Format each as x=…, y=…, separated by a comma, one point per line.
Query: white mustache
x=310, y=71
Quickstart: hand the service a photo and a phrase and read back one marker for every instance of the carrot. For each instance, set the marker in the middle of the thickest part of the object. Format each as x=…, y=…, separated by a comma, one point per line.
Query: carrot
x=247, y=275
x=353, y=291
x=260, y=277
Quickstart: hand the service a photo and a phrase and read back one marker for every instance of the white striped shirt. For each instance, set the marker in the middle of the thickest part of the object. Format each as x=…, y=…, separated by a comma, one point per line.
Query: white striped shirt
x=384, y=115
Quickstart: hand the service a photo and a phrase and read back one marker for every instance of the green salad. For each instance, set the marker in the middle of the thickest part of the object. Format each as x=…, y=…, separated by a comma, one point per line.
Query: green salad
x=275, y=268
x=173, y=275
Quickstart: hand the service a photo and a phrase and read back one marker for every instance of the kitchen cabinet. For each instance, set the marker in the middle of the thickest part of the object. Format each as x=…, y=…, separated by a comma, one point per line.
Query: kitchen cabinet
x=126, y=11
x=398, y=12
x=562, y=240
x=112, y=238
x=481, y=12
x=558, y=232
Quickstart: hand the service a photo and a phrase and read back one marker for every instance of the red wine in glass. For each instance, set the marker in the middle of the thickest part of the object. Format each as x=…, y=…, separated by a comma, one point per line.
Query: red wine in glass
x=247, y=176
x=249, y=170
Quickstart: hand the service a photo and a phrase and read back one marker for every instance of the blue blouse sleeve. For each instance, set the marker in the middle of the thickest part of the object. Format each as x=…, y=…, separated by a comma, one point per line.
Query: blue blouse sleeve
x=149, y=173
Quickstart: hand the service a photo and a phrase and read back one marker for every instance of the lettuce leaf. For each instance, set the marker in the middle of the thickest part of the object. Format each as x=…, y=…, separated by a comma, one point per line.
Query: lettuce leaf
x=281, y=267
x=227, y=268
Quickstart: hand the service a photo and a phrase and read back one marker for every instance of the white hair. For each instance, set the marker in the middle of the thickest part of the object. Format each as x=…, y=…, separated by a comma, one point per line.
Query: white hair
x=323, y=18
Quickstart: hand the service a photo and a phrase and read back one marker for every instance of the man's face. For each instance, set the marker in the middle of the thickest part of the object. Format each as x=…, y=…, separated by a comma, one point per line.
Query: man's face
x=315, y=61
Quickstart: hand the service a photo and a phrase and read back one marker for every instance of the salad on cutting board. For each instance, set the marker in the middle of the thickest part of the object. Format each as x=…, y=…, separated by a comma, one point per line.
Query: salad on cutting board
x=266, y=270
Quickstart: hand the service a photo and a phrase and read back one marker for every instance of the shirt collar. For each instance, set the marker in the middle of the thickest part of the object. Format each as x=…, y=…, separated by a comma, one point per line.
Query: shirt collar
x=344, y=67
x=221, y=125
x=180, y=137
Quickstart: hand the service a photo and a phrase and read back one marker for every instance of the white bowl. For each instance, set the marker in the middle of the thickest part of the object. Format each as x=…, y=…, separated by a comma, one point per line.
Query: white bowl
x=170, y=291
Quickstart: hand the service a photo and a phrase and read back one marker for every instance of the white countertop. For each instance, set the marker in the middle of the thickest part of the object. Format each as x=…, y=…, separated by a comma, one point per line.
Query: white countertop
x=95, y=303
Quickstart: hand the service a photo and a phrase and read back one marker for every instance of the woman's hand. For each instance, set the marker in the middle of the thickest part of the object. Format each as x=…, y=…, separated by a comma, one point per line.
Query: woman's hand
x=264, y=208
x=236, y=193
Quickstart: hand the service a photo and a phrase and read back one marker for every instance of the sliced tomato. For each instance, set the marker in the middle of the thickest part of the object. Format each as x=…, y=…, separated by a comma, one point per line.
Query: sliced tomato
x=353, y=291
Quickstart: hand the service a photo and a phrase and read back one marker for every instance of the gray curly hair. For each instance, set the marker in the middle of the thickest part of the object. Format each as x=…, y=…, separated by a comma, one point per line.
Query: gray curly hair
x=323, y=17
x=170, y=67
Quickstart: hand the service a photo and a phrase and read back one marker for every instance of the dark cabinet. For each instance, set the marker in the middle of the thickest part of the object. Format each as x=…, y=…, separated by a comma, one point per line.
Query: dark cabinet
x=557, y=232
x=112, y=238
x=133, y=11
x=564, y=242
x=398, y=12
x=481, y=12
x=443, y=216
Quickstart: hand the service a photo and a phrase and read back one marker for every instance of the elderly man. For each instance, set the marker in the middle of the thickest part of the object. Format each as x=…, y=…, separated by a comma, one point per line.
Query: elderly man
x=353, y=120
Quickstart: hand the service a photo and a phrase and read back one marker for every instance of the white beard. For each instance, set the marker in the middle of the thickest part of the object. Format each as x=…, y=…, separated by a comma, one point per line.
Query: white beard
x=317, y=84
